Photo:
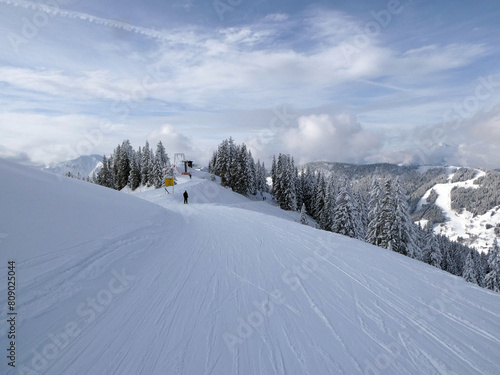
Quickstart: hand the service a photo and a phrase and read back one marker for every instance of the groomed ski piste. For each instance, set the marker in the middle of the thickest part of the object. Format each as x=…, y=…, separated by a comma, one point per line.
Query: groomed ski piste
x=115, y=283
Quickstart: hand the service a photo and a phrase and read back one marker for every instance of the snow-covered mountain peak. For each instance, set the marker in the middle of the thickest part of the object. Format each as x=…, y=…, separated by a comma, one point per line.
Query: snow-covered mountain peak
x=84, y=166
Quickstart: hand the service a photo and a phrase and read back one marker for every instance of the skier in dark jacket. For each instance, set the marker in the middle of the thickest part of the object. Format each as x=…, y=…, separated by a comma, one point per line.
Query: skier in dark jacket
x=185, y=196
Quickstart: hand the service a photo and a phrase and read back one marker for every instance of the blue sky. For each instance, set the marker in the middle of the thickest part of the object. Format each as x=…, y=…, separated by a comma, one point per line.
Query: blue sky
x=367, y=81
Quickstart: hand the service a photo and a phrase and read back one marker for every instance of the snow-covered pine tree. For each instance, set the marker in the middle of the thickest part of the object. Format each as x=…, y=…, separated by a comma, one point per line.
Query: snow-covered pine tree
x=274, y=176
x=303, y=215
x=160, y=164
x=431, y=253
x=116, y=162
x=134, y=180
x=146, y=165
x=362, y=211
x=231, y=169
x=288, y=181
x=319, y=198
x=492, y=278
x=225, y=154
x=222, y=162
x=308, y=183
x=482, y=267
x=381, y=226
x=99, y=176
x=261, y=177
x=326, y=216
x=240, y=174
x=277, y=179
x=345, y=220
x=123, y=156
x=233, y=174
x=299, y=191
x=291, y=191
x=402, y=230
x=252, y=174
x=212, y=163
x=375, y=225
x=110, y=177
x=469, y=270
x=284, y=179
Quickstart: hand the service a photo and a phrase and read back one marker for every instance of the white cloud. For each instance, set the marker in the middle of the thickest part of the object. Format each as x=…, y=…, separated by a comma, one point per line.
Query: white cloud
x=49, y=139
x=58, y=11
x=323, y=137
x=435, y=58
x=297, y=60
x=276, y=17
x=88, y=85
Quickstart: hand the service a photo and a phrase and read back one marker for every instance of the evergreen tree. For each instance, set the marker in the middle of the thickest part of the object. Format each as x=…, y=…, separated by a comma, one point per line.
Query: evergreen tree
x=288, y=185
x=345, y=220
x=469, y=271
x=147, y=166
x=212, y=163
x=135, y=173
x=252, y=174
x=235, y=165
x=362, y=211
x=223, y=162
x=403, y=232
x=492, y=278
x=325, y=220
x=284, y=183
x=319, y=197
x=104, y=176
x=298, y=189
x=308, y=183
x=122, y=164
x=116, y=163
x=261, y=177
x=432, y=252
x=303, y=215
x=161, y=166
x=375, y=225
x=111, y=176
x=274, y=176
x=240, y=172
x=381, y=226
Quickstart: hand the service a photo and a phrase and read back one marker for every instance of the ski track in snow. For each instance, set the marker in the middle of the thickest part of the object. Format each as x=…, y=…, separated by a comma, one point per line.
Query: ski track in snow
x=199, y=271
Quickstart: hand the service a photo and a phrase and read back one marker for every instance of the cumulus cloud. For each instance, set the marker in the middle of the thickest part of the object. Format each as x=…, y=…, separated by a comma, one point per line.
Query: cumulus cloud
x=323, y=137
x=48, y=139
x=170, y=138
x=15, y=156
x=174, y=141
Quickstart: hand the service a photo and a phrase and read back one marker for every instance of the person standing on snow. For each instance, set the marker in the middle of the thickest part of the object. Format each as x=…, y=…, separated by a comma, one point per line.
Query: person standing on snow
x=185, y=196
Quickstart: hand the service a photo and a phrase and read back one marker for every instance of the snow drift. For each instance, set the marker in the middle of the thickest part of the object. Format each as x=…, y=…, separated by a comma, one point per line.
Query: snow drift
x=113, y=284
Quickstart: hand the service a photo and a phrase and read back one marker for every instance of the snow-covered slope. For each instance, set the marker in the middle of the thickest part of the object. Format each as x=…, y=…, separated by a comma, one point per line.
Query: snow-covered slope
x=113, y=284
x=82, y=166
x=474, y=230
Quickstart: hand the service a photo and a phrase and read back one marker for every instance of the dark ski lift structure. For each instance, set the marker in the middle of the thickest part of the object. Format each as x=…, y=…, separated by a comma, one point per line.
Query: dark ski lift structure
x=180, y=158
